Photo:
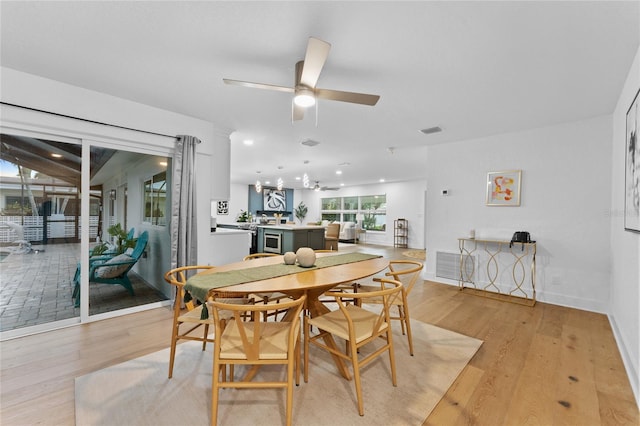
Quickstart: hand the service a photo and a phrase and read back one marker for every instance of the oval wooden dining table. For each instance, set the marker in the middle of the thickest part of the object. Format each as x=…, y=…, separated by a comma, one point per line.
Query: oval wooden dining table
x=310, y=282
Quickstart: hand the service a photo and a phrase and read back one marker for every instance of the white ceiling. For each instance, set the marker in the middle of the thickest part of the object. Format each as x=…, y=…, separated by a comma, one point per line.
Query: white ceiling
x=473, y=68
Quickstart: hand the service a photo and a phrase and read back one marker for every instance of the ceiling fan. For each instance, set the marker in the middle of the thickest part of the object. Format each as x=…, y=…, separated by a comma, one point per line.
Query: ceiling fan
x=306, y=76
x=317, y=187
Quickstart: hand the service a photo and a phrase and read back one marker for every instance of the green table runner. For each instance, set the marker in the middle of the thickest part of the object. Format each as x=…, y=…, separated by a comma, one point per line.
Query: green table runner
x=199, y=285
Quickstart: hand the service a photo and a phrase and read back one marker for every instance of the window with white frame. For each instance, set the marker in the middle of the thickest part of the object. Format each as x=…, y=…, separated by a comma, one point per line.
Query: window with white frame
x=369, y=211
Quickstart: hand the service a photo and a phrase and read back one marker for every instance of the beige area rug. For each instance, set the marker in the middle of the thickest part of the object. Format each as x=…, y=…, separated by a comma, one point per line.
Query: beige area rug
x=416, y=254
x=138, y=392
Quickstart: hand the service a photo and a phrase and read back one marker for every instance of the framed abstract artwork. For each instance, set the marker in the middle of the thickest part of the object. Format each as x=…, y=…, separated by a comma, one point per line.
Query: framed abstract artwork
x=275, y=200
x=632, y=168
x=223, y=207
x=503, y=188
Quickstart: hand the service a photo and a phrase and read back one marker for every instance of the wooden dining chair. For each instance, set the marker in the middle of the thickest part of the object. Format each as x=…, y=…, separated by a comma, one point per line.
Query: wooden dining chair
x=407, y=272
x=358, y=327
x=187, y=314
x=266, y=298
x=255, y=343
x=331, y=236
x=341, y=287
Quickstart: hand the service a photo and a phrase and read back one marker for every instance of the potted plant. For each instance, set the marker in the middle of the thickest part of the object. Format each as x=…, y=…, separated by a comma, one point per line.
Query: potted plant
x=243, y=216
x=121, y=241
x=301, y=212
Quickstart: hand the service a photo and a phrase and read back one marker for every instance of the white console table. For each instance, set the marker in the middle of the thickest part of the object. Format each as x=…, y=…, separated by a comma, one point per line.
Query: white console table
x=519, y=289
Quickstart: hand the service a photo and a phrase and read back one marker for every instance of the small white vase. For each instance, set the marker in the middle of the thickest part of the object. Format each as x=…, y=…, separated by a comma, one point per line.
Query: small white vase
x=306, y=257
x=289, y=258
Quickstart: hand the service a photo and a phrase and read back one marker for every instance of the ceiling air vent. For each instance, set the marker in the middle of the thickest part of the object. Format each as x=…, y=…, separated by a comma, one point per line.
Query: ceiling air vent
x=309, y=142
x=431, y=130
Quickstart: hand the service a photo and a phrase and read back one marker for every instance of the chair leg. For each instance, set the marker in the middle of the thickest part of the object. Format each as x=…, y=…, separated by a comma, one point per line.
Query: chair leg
x=356, y=376
x=126, y=283
x=307, y=330
x=405, y=319
x=392, y=357
x=76, y=294
x=400, y=314
x=215, y=385
x=174, y=340
x=290, y=369
x=206, y=333
x=297, y=361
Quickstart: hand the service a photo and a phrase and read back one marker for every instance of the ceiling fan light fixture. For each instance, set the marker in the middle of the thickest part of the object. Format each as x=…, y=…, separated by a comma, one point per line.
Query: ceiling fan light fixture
x=304, y=98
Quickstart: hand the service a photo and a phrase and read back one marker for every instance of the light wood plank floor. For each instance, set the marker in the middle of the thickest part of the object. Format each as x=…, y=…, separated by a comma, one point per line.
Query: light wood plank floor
x=546, y=365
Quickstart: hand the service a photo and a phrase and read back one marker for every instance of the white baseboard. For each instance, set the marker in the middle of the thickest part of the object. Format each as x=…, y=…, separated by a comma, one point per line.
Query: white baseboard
x=627, y=360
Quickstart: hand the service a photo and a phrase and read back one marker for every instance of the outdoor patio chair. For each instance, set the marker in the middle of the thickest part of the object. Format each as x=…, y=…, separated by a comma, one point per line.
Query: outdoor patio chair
x=22, y=246
x=112, y=270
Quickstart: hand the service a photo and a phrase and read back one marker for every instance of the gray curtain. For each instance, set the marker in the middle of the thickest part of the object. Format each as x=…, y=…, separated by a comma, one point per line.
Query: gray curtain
x=184, y=231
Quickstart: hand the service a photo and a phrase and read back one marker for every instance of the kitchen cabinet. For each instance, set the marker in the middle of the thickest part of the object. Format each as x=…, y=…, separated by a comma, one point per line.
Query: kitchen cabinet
x=283, y=238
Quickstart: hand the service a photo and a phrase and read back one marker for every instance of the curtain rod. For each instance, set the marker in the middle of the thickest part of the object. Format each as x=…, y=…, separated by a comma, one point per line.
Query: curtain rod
x=87, y=120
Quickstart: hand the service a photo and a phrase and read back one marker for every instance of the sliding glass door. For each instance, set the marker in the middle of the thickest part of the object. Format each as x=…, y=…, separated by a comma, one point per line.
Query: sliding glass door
x=47, y=262
x=134, y=215
x=40, y=181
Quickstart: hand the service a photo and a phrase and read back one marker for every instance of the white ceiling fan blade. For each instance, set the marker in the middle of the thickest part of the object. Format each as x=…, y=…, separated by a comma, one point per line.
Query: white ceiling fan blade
x=314, y=59
x=259, y=85
x=352, y=97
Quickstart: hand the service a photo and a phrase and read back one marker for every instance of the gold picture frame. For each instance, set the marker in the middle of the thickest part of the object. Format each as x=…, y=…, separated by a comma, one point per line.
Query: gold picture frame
x=503, y=188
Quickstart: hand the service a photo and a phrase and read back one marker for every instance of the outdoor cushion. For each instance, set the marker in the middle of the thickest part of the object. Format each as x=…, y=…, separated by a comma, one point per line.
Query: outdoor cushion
x=115, y=270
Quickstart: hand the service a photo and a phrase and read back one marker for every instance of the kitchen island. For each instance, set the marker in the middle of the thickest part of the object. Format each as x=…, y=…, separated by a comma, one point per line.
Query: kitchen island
x=283, y=238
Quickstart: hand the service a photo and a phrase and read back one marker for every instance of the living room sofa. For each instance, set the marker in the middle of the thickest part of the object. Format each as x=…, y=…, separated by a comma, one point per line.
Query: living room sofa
x=347, y=230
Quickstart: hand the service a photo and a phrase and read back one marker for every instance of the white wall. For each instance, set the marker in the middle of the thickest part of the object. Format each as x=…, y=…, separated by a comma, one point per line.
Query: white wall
x=404, y=200
x=238, y=200
x=566, y=187
x=625, y=245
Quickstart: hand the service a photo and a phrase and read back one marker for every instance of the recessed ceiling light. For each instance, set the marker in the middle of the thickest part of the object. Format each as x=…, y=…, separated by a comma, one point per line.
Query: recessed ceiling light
x=267, y=182
x=342, y=184
x=56, y=155
x=163, y=163
x=381, y=180
x=248, y=142
x=298, y=178
x=338, y=172
x=430, y=130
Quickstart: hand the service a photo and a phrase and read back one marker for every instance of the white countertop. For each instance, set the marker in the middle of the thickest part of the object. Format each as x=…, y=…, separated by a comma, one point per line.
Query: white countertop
x=291, y=227
x=227, y=231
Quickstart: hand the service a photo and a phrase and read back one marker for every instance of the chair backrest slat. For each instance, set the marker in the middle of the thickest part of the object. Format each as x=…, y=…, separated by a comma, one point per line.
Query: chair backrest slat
x=405, y=271
x=389, y=291
x=251, y=345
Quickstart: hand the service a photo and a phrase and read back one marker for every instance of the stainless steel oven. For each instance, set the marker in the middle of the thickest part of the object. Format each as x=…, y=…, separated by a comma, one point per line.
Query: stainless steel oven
x=272, y=242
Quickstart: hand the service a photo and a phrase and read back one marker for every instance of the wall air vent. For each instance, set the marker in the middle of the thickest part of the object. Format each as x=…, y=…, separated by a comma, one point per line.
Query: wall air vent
x=309, y=142
x=448, y=266
x=431, y=130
